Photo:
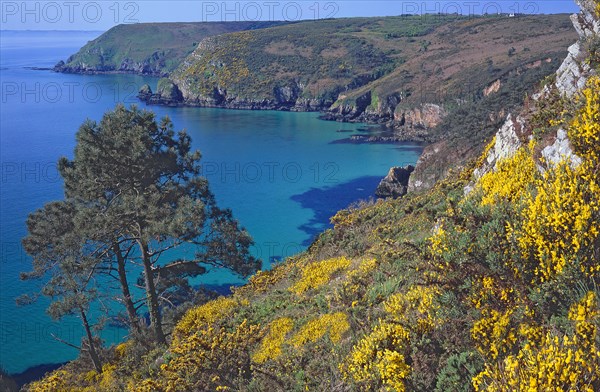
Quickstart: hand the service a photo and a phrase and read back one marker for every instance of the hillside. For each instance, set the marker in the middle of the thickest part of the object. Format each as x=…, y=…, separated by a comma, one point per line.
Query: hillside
x=363, y=67
x=441, y=79
x=147, y=48
x=446, y=80
x=486, y=282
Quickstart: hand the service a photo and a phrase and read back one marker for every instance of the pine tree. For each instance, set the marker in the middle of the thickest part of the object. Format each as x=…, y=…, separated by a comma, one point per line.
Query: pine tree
x=143, y=183
x=60, y=252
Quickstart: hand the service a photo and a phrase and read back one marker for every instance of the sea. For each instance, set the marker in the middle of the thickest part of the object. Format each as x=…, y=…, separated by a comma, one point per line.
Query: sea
x=283, y=174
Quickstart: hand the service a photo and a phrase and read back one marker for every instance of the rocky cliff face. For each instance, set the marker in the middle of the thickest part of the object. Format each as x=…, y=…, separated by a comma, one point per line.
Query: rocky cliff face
x=573, y=73
x=395, y=184
x=507, y=141
x=571, y=77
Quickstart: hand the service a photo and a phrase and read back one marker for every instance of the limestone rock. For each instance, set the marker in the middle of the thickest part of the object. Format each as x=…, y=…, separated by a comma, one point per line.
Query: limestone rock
x=571, y=76
x=560, y=150
x=573, y=72
x=508, y=141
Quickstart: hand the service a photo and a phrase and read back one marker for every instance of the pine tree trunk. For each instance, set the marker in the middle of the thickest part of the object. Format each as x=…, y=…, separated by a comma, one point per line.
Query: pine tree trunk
x=131, y=313
x=92, y=346
x=152, y=296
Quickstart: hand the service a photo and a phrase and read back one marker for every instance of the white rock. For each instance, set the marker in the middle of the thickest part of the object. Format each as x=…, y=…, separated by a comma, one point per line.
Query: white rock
x=560, y=150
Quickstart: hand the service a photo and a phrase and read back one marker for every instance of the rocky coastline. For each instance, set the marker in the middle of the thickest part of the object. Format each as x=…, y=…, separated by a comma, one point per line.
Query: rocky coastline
x=127, y=67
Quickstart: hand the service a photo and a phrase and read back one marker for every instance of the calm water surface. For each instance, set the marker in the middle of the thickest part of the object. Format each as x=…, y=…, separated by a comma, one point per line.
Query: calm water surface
x=282, y=174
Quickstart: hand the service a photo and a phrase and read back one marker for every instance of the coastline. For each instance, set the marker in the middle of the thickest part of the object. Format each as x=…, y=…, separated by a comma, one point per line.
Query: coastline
x=34, y=373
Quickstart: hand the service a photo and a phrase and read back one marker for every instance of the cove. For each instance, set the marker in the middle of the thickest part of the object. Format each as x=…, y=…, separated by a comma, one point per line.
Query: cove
x=283, y=174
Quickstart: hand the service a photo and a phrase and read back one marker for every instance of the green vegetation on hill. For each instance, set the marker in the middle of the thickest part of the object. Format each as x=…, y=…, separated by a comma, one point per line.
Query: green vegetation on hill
x=368, y=64
x=458, y=60
x=491, y=289
x=147, y=48
x=314, y=59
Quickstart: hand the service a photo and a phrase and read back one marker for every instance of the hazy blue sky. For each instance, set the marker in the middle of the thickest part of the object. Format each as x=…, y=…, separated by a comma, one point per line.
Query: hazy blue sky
x=103, y=14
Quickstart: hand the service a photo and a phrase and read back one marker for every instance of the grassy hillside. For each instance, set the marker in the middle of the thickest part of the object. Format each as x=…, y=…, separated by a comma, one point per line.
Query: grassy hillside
x=313, y=59
x=459, y=59
x=440, y=291
x=493, y=288
x=368, y=64
x=147, y=48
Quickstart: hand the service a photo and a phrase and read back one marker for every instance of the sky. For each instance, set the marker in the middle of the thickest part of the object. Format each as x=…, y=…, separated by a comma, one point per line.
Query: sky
x=100, y=15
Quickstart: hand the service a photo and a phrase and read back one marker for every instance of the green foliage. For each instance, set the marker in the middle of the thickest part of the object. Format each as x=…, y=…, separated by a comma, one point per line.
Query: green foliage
x=149, y=48
x=459, y=367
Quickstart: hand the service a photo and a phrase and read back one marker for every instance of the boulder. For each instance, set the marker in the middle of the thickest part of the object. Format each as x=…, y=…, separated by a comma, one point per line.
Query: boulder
x=560, y=150
x=395, y=184
x=145, y=92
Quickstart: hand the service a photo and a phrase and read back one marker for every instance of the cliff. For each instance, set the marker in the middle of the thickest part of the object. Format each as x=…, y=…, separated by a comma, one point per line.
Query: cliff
x=404, y=72
x=146, y=48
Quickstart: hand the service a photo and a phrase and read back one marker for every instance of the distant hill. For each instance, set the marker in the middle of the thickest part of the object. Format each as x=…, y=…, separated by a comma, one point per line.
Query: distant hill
x=447, y=80
x=147, y=48
x=362, y=66
x=436, y=78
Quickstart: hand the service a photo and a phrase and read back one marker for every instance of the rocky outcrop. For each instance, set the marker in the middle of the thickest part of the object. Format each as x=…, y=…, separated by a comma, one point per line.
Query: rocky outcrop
x=426, y=115
x=574, y=71
x=560, y=150
x=145, y=93
x=395, y=184
x=429, y=168
x=508, y=141
x=492, y=88
x=570, y=76
x=167, y=94
x=350, y=112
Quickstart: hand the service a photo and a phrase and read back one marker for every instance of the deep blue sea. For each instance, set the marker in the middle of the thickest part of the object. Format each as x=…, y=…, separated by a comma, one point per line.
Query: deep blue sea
x=283, y=174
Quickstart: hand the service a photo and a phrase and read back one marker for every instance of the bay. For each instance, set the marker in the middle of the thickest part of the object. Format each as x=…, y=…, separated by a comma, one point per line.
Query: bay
x=283, y=174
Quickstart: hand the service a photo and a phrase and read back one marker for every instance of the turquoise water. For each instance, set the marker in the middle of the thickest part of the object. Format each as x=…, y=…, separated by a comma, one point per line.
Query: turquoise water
x=283, y=174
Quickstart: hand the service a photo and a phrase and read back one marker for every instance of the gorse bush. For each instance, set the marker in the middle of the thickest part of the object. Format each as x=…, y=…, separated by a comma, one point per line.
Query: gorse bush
x=318, y=274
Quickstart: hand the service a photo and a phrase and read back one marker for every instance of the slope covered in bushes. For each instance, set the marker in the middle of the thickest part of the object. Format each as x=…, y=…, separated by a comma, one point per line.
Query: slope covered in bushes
x=499, y=295
x=486, y=282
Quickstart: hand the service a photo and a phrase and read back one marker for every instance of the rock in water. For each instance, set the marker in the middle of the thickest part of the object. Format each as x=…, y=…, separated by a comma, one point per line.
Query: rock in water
x=145, y=93
x=395, y=184
x=167, y=93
